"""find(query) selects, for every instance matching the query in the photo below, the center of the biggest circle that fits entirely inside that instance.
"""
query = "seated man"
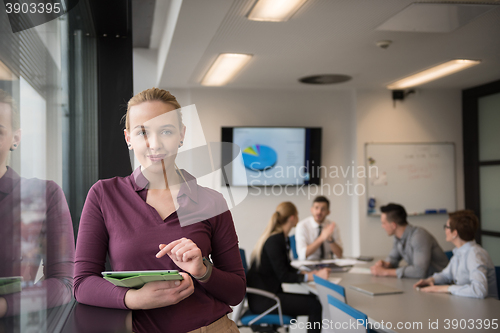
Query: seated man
(413, 244)
(316, 237)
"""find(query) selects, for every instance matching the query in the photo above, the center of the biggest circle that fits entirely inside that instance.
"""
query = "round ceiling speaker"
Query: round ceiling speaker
(325, 79)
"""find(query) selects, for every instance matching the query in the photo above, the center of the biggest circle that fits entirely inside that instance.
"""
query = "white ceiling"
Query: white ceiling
(323, 37)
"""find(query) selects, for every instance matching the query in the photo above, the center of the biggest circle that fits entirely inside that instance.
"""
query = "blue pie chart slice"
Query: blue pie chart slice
(259, 157)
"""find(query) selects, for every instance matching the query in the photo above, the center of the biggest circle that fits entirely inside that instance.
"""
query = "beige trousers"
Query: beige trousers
(222, 325)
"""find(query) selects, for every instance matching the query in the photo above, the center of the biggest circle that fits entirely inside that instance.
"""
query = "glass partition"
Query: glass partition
(48, 147)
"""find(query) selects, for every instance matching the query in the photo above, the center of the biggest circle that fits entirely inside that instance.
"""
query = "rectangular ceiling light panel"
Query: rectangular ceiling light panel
(225, 67)
(274, 10)
(433, 73)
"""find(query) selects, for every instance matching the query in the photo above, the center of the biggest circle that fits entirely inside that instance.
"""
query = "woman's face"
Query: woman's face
(294, 219)
(8, 137)
(154, 134)
(450, 235)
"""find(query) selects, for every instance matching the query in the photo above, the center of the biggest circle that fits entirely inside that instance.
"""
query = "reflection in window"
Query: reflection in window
(48, 101)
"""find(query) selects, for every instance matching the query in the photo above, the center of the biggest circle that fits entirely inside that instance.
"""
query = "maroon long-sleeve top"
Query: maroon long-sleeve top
(116, 218)
(35, 225)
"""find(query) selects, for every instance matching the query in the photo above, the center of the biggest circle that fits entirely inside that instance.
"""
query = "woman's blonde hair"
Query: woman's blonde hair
(275, 225)
(153, 94)
(7, 99)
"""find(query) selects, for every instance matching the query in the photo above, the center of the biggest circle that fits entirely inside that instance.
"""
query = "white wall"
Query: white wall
(144, 69)
(349, 119)
(428, 116)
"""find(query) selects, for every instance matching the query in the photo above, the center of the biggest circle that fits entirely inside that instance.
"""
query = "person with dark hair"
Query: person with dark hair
(317, 237)
(413, 244)
(470, 272)
(270, 267)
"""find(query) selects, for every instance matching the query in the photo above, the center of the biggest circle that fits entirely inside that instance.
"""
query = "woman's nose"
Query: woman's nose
(153, 142)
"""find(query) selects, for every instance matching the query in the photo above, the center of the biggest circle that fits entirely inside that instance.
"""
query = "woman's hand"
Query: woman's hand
(185, 254)
(158, 294)
(322, 273)
(424, 283)
(3, 307)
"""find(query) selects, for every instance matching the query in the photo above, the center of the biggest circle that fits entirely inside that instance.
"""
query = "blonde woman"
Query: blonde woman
(136, 220)
(271, 267)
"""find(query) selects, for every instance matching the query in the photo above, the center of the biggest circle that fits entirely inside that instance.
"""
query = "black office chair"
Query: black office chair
(262, 322)
(449, 254)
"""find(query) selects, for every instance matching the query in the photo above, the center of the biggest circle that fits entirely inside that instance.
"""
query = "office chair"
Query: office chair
(293, 246)
(449, 254)
(263, 322)
(325, 288)
(344, 315)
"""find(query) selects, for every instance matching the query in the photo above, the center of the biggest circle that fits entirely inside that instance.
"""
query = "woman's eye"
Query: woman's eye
(141, 133)
(166, 132)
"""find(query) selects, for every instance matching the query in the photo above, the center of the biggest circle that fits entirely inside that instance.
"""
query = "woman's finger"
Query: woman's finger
(179, 250)
(191, 254)
(166, 248)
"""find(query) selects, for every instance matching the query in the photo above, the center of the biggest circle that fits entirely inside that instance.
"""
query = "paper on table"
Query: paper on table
(294, 288)
(340, 262)
(298, 263)
(348, 262)
(335, 280)
(360, 270)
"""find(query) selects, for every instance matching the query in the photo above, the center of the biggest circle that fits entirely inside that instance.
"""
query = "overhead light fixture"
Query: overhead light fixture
(5, 73)
(325, 79)
(225, 67)
(274, 10)
(433, 73)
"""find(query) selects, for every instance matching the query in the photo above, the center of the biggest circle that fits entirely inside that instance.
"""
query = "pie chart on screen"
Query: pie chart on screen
(259, 157)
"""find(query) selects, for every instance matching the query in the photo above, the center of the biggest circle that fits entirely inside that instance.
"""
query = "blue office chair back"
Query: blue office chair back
(325, 288)
(293, 246)
(344, 315)
(244, 260)
(449, 254)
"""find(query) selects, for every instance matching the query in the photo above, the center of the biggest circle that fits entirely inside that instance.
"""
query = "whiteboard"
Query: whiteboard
(419, 176)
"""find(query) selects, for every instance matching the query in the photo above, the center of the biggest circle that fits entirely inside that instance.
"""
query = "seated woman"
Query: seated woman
(138, 220)
(470, 272)
(271, 267)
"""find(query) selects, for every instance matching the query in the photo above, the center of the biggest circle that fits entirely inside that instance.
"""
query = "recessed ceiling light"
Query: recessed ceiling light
(224, 68)
(274, 10)
(325, 79)
(433, 73)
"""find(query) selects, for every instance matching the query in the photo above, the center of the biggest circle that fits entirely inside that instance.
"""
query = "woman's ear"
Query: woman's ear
(16, 138)
(183, 133)
(127, 138)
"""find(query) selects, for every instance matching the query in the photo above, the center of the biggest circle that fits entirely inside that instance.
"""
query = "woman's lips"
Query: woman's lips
(157, 158)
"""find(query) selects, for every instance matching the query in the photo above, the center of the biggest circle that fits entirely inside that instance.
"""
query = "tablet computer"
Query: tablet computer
(137, 279)
(10, 285)
(375, 289)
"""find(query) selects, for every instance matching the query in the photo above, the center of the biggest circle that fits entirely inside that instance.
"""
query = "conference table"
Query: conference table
(416, 311)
